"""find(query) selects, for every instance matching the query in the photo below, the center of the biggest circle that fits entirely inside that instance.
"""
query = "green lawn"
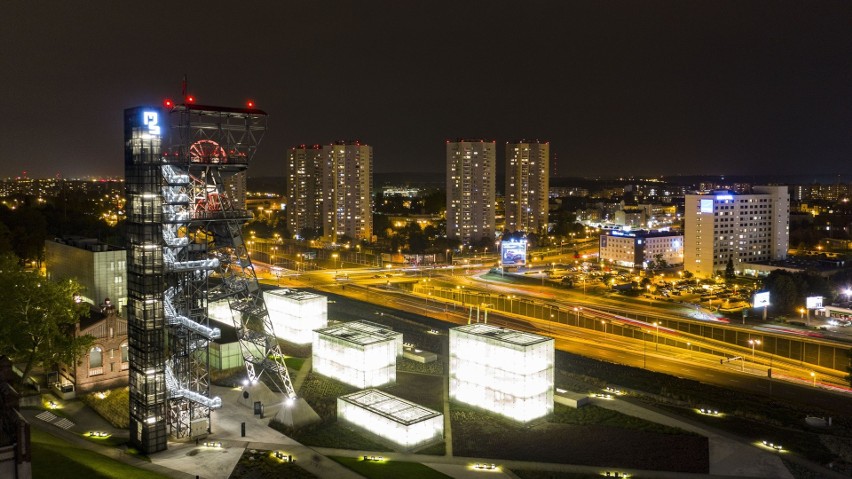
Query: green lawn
(54, 457)
(114, 407)
(294, 363)
(389, 469)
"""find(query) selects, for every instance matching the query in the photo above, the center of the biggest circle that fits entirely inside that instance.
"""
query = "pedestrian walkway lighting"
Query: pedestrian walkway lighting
(773, 446)
(282, 456)
(709, 412)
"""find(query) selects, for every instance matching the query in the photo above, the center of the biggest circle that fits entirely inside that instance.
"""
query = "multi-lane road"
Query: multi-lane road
(360, 293)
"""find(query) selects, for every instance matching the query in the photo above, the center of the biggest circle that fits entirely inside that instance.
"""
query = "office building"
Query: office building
(347, 177)
(741, 227)
(639, 249)
(471, 190)
(304, 189)
(527, 183)
(100, 269)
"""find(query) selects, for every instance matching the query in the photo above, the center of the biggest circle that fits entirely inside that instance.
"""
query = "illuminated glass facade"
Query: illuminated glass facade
(183, 227)
(145, 279)
(359, 353)
(397, 421)
(296, 314)
(503, 371)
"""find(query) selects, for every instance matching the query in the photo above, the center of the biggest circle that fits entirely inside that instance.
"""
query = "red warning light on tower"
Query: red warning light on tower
(190, 99)
(250, 103)
(168, 103)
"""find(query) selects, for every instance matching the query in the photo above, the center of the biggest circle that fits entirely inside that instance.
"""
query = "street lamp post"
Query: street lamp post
(577, 310)
(753, 342)
(604, 325)
(657, 338)
(813, 376)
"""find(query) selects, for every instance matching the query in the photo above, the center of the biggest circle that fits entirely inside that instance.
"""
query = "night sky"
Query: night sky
(617, 87)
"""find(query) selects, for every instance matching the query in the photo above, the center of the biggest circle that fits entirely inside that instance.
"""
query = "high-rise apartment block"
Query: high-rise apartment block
(235, 187)
(347, 185)
(329, 188)
(304, 188)
(471, 166)
(744, 228)
(527, 183)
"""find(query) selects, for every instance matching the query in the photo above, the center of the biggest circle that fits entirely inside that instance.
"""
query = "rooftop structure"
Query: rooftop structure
(296, 314)
(501, 370)
(397, 421)
(359, 353)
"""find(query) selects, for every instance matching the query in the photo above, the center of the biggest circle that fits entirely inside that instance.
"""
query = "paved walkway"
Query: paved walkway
(730, 457)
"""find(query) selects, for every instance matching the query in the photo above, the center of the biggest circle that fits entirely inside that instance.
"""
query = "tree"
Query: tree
(729, 269)
(39, 318)
(658, 263)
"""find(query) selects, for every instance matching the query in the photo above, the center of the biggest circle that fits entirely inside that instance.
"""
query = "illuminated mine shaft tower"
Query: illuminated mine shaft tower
(185, 249)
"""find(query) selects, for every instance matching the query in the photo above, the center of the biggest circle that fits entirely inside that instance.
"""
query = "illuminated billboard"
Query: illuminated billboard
(761, 299)
(513, 253)
(813, 302)
(706, 206)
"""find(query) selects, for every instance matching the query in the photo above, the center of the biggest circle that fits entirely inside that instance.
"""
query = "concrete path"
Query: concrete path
(730, 457)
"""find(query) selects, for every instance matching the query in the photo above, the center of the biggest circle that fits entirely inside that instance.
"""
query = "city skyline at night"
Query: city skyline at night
(655, 88)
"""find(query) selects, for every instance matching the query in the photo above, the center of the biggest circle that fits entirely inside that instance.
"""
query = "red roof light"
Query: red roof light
(168, 103)
(190, 99)
(250, 104)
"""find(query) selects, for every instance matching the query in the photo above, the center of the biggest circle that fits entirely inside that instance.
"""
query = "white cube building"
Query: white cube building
(397, 421)
(359, 353)
(220, 311)
(296, 314)
(501, 370)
